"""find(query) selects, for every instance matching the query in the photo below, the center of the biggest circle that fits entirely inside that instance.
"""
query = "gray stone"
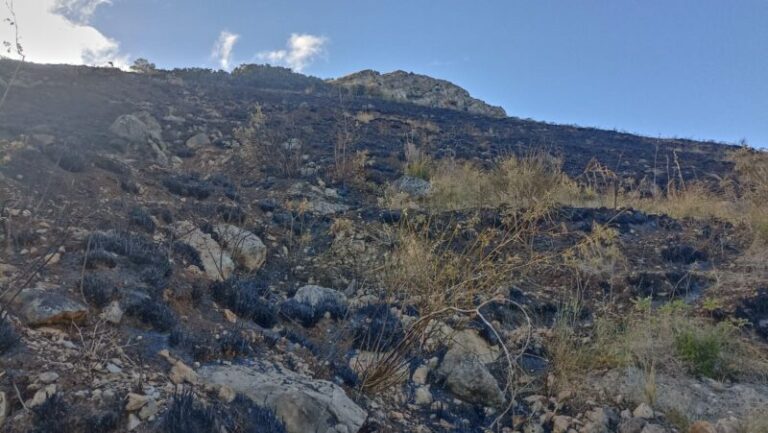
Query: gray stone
(632, 425)
(413, 186)
(315, 295)
(464, 371)
(304, 404)
(653, 428)
(40, 307)
(198, 140)
(217, 262)
(246, 248)
(141, 128)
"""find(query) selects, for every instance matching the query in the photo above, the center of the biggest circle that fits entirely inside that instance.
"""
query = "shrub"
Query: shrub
(244, 416)
(51, 416)
(97, 257)
(246, 298)
(186, 414)
(375, 328)
(153, 313)
(98, 290)
(188, 254)
(703, 348)
(141, 218)
(308, 315)
(9, 338)
(188, 186)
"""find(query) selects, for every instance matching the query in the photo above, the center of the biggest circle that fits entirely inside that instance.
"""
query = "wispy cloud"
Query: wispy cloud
(222, 49)
(57, 31)
(301, 50)
(78, 11)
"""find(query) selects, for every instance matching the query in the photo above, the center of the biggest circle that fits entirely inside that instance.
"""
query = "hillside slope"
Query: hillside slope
(198, 251)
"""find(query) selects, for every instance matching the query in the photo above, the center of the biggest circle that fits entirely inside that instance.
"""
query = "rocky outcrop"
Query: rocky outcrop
(417, 89)
(141, 128)
(246, 248)
(217, 262)
(302, 403)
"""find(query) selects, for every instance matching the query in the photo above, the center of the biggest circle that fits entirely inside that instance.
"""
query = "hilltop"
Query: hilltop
(197, 251)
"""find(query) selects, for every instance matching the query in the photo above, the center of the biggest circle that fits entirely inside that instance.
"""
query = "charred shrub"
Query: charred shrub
(186, 414)
(684, 254)
(68, 159)
(244, 416)
(139, 217)
(99, 257)
(201, 349)
(189, 185)
(346, 374)
(129, 186)
(153, 313)
(156, 277)
(51, 416)
(234, 345)
(102, 421)
(187, 254)
(231, 214)
(9, 338)
(138, 249)
(247, 298)
(98, 290)
(375, 328)
(309, 315)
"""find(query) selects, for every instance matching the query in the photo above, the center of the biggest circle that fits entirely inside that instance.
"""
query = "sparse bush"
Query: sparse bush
(188, 254)
(308, 315)
(99, 257)
(9, 338)
(51, 416)
(153, 313)
(247, 299)
(375, 328)
(141, 218)
(189, 185)
(703, 348)
(98, 290)
(186, 414)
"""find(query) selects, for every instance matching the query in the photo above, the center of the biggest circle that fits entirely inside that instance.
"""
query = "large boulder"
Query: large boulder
(198, 140)
(245, 247)
(464, 371)
(302, 403)
(141, 128)
(39, 306)
(217, 262)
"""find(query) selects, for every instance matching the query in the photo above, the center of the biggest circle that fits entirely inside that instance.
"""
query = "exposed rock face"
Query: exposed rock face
(417, 89)
(302, 403)
(702, 399)
(217, 262)
(42, 307)
(245, 247)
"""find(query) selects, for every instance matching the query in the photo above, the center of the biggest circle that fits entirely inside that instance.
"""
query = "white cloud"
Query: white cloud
(57, 31)
(78, 11)
(222, 49)
(301, 50)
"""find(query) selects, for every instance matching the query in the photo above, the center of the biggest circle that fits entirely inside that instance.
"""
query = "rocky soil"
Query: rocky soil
(179, 254)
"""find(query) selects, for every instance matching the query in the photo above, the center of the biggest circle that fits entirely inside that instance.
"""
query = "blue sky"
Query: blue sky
(695, 69)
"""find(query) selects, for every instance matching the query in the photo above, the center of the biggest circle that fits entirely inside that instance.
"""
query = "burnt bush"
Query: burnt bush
(68, 159)
(9, 338)
(189, 185)
(187, 254)
(138, 249)
(156, 277)
(129, 186)
(141, 218)
(51, 416)
(153, 313)
(683, 254)
(247, 298)
(309, 315)
(99, 257)
(186, 414)
(231, 214)
(98, 290)
(375, 328)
